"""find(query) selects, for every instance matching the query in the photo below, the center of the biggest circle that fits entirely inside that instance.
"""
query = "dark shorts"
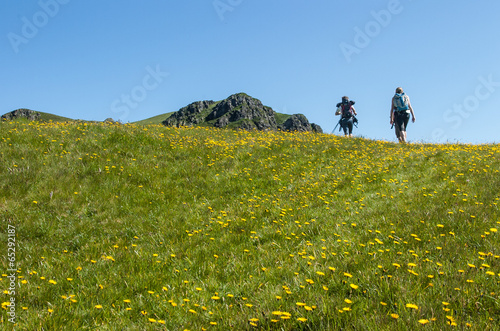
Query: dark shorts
(401, 121)
(346, 124)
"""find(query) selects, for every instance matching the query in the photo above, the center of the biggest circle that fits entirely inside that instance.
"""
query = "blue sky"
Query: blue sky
(131, 60)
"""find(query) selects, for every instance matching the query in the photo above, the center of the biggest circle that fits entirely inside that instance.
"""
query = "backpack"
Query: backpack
(345, 109)
(401, 102)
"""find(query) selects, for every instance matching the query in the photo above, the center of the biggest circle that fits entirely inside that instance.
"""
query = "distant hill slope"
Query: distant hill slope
(239, 111)
(23, 113)
(158, 119)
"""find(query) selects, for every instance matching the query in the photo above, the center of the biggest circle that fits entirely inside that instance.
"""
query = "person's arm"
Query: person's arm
(392, 111)
(354, 111)
(411, 111)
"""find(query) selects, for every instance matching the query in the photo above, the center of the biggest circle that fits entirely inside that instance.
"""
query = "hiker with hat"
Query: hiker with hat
(348, 118)
(400, 113)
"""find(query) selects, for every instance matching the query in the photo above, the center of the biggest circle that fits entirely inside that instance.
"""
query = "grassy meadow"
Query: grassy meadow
(133, 227)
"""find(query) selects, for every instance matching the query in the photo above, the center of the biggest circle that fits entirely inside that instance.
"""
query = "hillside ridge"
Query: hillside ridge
(238, 111)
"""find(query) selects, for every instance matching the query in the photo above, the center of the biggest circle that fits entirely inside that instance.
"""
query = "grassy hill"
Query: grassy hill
(149, 227)
(280, 119)
(55, 118)
(158, 119)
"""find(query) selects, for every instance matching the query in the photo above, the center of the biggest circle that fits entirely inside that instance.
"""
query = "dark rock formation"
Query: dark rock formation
(22, 113)
(297, 122)
(190, 115)
(239, 111)
(241, 108)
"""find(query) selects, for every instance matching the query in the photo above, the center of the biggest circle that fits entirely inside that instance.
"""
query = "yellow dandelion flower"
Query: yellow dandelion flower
(215, 297)
(347, 301)
(302, 319)
(98, 306)
(411, 306)
(354, 286)
(52, 281)
(395, 316)
(127, 301)
(423, 321)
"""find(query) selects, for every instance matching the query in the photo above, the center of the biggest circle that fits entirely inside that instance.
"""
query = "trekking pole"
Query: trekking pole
(336, 126)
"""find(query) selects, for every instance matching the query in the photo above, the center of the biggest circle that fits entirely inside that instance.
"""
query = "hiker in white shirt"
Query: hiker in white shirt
(400, 113)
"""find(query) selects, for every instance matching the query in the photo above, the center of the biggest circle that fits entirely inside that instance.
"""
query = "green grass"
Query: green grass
(154, 120)
(152, 228)
(55, 118)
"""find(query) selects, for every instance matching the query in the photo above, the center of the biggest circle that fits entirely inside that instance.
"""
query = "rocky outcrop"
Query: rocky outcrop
(190, 115)
(299, 122)
(239, 111)
(22, 113)
(241, 108)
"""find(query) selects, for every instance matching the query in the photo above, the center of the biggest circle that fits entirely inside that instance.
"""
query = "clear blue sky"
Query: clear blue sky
(131, 60)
